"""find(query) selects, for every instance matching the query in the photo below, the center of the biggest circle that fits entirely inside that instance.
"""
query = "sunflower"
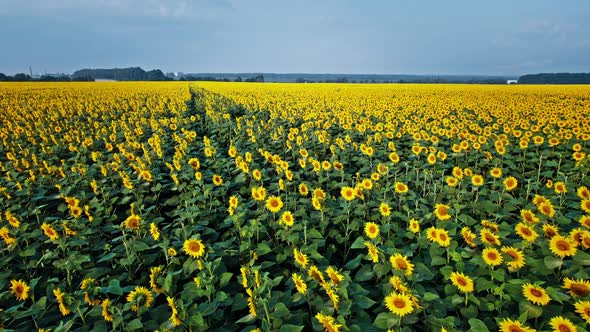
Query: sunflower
(561, 324)
(174, 318)
(233, 201)
(399, 304)
(394, 157)
(538, 199)
(20, 289)
(334, 275)
(535, 294)
(59, 295)
(316, 274)
(328, 322)
(463, 282)
(371, 230)
(432, 234)
(585, 221)
(585, 205)
(583, 308)
(560, 187)
(133, 221)
(287, 218)
(488, 237)
(367, 184)
(397, 283)
(550, 230)
(414, 226)
(443, 238)
(303, 190)
(217, 180)
(106, 314)
(491, 256)
(348, 193)
(547, 209)
(451, 181)
(76, 211)
(385, 210)
(49, 232)
(172, 252)
(468, 236)
(517, 257)
(194, 248)
(154, 231)
(194, 163)
(496, 172)
(457, 172)
(274, 204)
(319, 193)
(401, 262)
(400, 188)
(477, 180)
(155, 272)
(510, 183)
(441, 211)
(140, 297)
(373, 252)
(529, 216)
(526, 232)
(562, 246)
(509, 325)
(299, 283)
(300, 258)
(583, 192)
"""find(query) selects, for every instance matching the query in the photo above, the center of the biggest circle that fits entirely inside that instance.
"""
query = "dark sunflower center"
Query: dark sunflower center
(536, 293)
(194, 246)
(580, 290)
(562, 245)
(401, 264)
(462, 282)
(399, 303)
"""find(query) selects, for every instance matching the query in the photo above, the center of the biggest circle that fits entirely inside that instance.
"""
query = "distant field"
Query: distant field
(294, 207)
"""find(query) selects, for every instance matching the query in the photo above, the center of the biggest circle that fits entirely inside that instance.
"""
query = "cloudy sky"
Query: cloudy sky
(311, 36)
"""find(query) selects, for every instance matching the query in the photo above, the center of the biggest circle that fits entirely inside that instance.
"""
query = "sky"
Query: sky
(461, 37)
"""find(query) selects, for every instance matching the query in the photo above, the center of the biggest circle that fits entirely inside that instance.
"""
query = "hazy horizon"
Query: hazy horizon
(461, 37)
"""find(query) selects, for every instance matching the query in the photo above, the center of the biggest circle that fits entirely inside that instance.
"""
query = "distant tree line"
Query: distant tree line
(20, 77)
(257, 78)
(122, 74)
(557, 78)
(425, 80)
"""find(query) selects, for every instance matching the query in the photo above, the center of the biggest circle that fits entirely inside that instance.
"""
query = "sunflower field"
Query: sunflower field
(180, 206)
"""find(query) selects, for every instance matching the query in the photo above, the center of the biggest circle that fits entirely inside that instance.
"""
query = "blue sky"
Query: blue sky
(313, 36)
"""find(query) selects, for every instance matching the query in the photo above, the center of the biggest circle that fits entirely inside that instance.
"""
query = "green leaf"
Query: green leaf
(134, 325)
(428, 296)
(532, 311)
(477, 325)
(363, 301)
(107, 257)
(140, 246)
(263, 249)
(552, 262)
(167, 283)
(225, 278)
(291, 328)
(359, 243)
(385, 320)
(246, 319)
(114, 287)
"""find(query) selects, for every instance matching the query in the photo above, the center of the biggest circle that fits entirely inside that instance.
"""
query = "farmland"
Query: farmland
(244, 206)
